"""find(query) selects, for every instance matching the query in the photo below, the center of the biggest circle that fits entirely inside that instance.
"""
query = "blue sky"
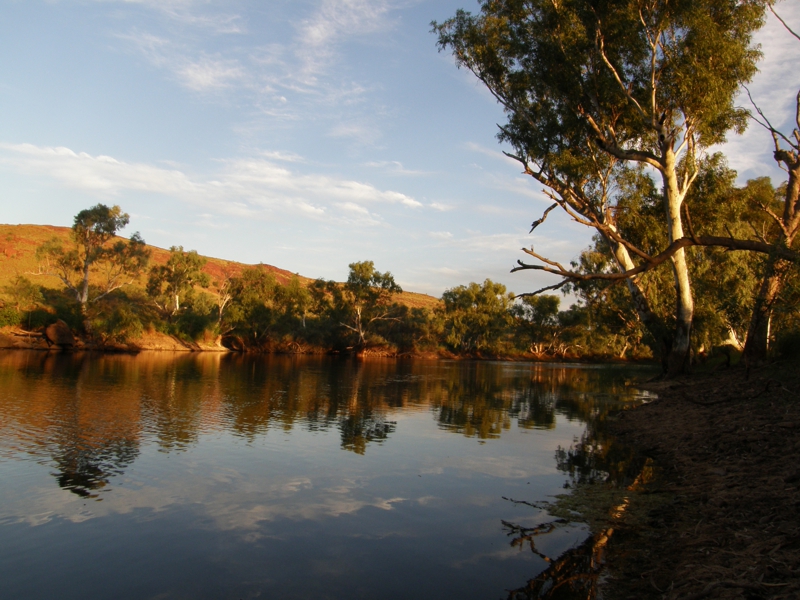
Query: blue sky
(306, 134)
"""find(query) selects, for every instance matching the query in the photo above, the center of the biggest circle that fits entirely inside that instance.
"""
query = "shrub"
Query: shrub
(9, 316)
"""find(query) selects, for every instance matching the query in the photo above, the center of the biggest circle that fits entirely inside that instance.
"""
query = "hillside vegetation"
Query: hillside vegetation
(18, 244)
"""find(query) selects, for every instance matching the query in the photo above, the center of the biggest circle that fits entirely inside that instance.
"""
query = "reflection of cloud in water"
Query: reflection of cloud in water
(229, 499)
(502, 554)
(505, 467)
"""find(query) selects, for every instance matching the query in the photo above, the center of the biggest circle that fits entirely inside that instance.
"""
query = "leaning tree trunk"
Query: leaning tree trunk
(651, 321)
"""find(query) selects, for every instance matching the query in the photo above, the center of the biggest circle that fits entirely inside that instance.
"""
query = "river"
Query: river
(171, 476)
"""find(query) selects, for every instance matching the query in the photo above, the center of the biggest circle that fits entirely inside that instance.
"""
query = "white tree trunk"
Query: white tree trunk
(678, 360)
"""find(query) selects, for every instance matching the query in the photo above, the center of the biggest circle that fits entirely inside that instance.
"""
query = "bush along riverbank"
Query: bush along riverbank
(714, 509)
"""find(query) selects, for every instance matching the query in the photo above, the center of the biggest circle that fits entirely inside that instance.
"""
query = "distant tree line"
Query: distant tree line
(111, 294)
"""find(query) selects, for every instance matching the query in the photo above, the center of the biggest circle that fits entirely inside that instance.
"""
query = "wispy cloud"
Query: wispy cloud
(774, 90)
(394, 167)
(298, 73)
(199, 73)
(243, 186)
(191, 13)
(334, 21)
(210, 73)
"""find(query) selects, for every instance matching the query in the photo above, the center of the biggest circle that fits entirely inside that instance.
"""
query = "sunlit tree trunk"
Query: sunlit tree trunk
(678, 359)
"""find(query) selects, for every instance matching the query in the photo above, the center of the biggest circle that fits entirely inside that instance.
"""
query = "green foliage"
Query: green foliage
(558, 69)
(537, 323)
(115, 318)
(252, 312)
(593, 92)
(364, 302)
(476, 317)
(23, 294)
(10, 316)
(114, 265)
(197, 318)
(168, 284)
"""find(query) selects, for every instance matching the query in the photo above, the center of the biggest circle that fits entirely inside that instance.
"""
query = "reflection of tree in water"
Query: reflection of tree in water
(571, 576)
(362, 427)
(83, 413)
(90, 412)
(483, 400)
(597, 456)
(172, 402)
(84, 471)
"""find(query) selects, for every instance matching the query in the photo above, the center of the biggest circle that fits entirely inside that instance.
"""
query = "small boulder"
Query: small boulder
(59, 334)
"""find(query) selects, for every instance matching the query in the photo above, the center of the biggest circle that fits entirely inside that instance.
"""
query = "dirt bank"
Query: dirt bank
(722, 518)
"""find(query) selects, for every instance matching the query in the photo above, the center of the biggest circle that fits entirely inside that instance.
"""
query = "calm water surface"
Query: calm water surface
(226, 476)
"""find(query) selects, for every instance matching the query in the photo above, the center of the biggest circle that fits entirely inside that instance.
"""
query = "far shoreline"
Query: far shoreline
(17, 339)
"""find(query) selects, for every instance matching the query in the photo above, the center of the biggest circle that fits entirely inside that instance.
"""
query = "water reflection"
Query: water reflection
(236, 448)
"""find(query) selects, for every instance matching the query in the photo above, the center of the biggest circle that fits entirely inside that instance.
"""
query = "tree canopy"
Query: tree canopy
(593, 91)
(118, 263)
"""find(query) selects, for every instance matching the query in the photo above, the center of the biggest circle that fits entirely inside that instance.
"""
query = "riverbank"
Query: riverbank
(721, 517)
(13, 338)
(16, 338)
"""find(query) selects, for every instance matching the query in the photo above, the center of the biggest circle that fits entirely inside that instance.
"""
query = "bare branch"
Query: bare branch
(709, 241)
(777, 16)
(542, 219)
(634, 155)
(775, 218)
(626, 89)
(544, 260)
(766, 123)
(555, 286)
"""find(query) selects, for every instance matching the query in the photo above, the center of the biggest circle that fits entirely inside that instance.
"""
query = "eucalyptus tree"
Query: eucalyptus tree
(170, 282)
(94, 251)
(476, 316)
(537, 321)
(591, 89)
(786, 221)
(366, 299)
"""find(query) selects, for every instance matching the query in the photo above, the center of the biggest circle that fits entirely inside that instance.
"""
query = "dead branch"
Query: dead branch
(544, 289)
(707, 240)
(777, 16)
(541, 220)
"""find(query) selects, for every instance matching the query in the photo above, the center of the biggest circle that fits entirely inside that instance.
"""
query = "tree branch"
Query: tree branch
(707, 240)
(542, 219)
(544, 289)
(626, 89)
(777, 16)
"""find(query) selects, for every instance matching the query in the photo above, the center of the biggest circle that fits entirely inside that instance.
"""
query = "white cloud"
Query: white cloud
(209, 73)
(199, 73)
(246, 186)
(284, 156)
(774, 90)
(188, 13)
(394, 167)
(333, 21)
